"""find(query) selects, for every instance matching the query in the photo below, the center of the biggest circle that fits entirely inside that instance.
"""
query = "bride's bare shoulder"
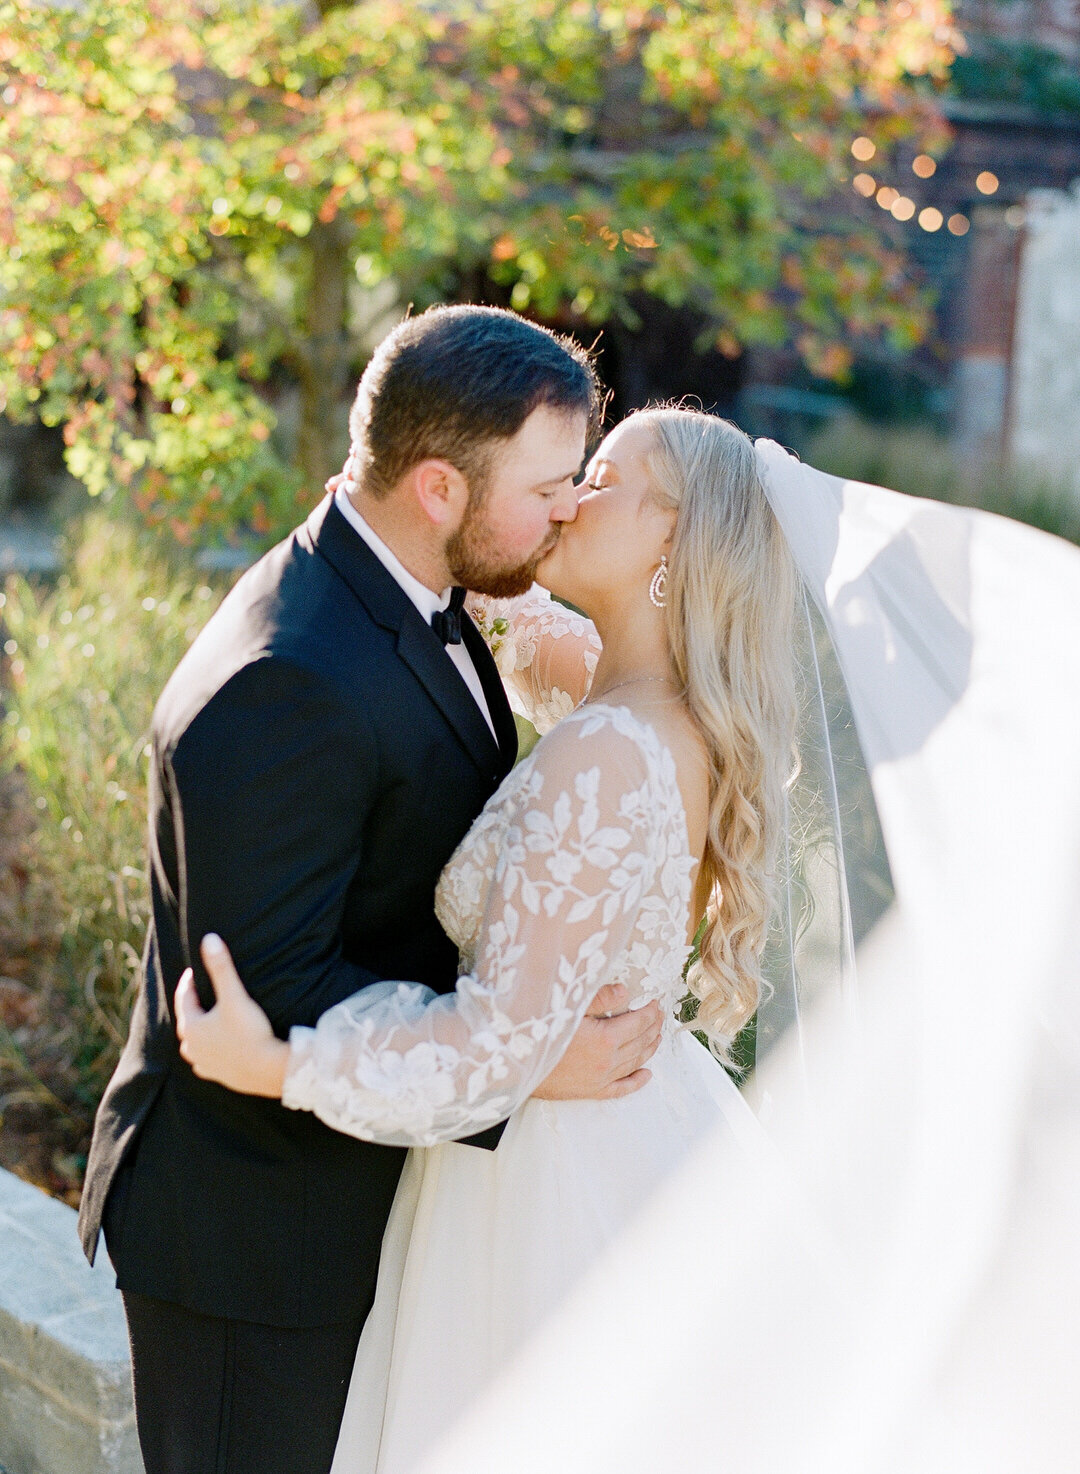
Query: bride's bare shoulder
(682, 737)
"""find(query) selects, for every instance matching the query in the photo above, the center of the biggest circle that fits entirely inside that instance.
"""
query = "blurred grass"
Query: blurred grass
(923, 463)
(83, 663)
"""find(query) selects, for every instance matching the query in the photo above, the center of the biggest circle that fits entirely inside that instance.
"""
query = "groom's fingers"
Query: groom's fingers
(634, 1037)
(632, 1056)
(627, 1085)
(612, 998)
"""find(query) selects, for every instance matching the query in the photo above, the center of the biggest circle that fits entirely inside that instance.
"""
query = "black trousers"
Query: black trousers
(230, 1397)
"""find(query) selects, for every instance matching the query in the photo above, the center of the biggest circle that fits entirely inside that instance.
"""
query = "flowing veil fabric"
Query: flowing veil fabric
(901, 1289)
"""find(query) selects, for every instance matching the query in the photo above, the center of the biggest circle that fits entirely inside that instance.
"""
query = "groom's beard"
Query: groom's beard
(473, 557)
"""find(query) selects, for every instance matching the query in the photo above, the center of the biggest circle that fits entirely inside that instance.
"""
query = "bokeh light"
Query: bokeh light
(924, 166)
(959, 224)
(987, 183)
(902, 208)
(887, 196)
(864, 184)
(864, 149)
(931, 219)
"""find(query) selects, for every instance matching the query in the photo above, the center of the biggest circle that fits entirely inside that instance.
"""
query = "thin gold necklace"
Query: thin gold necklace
(634, 681)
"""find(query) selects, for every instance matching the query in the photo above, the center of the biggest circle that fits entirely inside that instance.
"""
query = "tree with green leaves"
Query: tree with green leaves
(196, 195)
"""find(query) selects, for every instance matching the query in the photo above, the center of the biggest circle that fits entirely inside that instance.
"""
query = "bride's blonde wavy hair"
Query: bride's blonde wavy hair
(731, 588)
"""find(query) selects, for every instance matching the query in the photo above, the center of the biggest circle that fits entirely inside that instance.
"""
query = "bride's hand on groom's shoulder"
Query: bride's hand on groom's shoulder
(606, 1057)
(231, 1043)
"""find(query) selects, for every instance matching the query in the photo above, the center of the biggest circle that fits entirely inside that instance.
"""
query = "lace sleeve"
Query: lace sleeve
(402, 1065)
(546, 653)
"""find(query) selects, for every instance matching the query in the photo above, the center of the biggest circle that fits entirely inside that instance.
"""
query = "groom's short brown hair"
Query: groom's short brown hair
(453, 382)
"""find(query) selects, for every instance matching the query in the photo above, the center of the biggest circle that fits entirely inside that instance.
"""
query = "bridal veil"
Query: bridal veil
(901, 1289)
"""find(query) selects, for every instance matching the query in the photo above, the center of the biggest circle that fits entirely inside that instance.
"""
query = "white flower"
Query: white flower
(505, 653)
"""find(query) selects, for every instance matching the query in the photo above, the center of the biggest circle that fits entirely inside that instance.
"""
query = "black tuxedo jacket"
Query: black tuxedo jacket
(317, 757)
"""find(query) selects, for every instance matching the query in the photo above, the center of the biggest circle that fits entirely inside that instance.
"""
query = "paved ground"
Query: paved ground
(65, 1379)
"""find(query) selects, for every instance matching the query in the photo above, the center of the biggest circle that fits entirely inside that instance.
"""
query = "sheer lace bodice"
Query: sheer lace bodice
(576, 873)
(546, 653)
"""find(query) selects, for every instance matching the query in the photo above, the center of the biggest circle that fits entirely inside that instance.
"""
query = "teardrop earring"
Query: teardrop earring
(658, 584)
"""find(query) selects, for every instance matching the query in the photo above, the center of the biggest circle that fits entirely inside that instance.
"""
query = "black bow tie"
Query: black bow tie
(447, 622)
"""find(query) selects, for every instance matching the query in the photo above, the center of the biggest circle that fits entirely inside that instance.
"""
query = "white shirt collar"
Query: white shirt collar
(425, 599)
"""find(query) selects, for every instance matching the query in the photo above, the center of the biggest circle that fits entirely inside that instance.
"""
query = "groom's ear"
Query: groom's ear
(441, 492)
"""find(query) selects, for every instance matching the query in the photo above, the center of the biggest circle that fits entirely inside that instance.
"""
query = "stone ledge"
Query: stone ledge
(65, 1380)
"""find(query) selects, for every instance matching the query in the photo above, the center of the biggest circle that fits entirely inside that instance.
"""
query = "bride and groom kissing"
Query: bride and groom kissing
(440, 950)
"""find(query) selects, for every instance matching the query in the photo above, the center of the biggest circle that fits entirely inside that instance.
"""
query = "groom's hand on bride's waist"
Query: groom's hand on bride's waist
(607, 1055)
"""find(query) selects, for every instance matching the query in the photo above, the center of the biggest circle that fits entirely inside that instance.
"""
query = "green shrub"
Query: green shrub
(923, 463)
(84, 663)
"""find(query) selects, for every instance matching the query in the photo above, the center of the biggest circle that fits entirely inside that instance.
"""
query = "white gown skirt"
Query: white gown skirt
(481, 1246)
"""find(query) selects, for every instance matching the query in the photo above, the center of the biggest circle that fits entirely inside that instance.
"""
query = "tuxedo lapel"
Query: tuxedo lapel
(424, 654)
(417, 644)
(494, 692)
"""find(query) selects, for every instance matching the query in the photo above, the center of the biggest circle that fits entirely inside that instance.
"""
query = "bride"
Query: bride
(917, 1308)
(650, 811)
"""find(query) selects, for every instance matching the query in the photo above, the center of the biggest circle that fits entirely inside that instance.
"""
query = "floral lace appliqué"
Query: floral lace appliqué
(575, 874)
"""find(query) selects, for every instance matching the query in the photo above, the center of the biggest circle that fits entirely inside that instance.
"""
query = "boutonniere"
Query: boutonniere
(496, 630)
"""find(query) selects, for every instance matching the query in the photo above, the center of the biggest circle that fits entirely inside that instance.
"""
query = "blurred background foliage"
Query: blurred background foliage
(925, 462)
(1004, 70)
(205, 203)
(83, 663)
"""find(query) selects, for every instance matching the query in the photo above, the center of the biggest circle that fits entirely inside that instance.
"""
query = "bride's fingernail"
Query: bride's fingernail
(213, 944)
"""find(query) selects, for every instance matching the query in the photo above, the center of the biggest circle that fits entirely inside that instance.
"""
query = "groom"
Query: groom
(317, 756)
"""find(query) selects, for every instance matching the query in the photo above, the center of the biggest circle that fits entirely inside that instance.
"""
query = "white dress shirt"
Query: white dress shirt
(426, 601)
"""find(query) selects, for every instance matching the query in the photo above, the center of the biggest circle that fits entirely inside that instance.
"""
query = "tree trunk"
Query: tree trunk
(324, 367)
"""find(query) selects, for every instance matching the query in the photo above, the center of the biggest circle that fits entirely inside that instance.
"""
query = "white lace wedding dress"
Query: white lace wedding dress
(576, 873)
